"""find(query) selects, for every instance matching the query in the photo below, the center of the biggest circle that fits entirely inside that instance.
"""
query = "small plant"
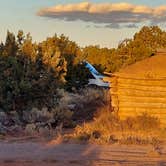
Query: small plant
(142, 122)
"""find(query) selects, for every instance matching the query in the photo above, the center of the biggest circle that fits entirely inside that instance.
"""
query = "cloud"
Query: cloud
(118, 26)
(113, 26)
(131, 26)
(106, 13)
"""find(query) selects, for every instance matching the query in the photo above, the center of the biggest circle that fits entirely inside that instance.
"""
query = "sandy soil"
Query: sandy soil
(32, 153)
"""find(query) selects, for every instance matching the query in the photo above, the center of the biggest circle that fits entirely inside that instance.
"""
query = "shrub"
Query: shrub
(88, 101)
(143, 122)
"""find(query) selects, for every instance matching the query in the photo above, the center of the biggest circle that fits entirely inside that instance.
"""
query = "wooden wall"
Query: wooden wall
(133, 96)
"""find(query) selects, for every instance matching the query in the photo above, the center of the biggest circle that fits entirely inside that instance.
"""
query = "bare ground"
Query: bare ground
(54, 153)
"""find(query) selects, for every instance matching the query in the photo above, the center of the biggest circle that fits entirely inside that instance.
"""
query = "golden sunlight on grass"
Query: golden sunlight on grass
(108, 128)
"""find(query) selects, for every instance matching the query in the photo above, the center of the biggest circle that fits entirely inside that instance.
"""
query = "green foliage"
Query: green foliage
(10, 47)
(31, 72)
(143, 45)
(77, 76)
(28, 78)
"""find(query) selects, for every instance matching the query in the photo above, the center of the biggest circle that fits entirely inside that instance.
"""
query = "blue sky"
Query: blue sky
(22, 14)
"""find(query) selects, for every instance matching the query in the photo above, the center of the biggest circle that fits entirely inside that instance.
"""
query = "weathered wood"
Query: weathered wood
(145, 82)
(140, 99)
(141, 105)
(139, 87)
(129, 110)
(139, 94)
(136, 90)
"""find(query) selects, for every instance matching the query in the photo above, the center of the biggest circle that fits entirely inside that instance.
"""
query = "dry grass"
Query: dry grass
(106, 127)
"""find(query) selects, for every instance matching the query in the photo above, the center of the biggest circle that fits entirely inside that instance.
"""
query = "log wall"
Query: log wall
(133, 96)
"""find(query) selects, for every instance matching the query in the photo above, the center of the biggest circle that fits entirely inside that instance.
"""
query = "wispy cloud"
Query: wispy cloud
(112, 14)
(113, 26)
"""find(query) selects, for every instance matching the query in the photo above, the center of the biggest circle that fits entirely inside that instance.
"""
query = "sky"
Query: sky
(91, 22)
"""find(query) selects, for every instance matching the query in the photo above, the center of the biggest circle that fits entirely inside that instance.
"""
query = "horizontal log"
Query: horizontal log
(119, 89)
(130, 110)
(138, 87)
(132, 77)
(141, 105)
(135, 77)
(147, 82)
(134, 99)
(141, 91)
(135, 102)
(138, 93)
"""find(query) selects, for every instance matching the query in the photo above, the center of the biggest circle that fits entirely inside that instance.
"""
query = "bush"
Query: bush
(30, 73)
(143, 122)
(88, 102)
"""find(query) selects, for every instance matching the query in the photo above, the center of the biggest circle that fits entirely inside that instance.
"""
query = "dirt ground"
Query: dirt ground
(54, 153)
